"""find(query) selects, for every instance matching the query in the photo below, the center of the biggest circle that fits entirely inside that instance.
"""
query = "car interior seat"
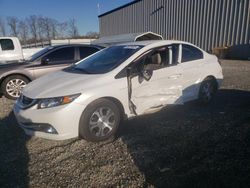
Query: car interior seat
(156, 59)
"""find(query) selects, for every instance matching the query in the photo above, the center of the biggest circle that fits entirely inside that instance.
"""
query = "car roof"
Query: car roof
(75, 45)
(154, 43)
(149, 42)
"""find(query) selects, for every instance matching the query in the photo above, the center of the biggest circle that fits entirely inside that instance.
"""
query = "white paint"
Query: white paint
(170, 85)
(17, 54)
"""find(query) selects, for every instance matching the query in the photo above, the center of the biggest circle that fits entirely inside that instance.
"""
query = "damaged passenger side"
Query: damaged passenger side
(149, 80)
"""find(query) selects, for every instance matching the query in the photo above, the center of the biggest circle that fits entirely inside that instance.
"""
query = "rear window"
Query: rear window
(6, 44)
(190, 53)
(86, 51)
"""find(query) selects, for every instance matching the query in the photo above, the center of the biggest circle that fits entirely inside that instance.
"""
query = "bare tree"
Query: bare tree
(41, 28)
(92, 34)
(53, 25)
(73, 30)
(23, 31)
(62, 29)
(32, 20)
(47, 28)
(13, 24)
(2, 27)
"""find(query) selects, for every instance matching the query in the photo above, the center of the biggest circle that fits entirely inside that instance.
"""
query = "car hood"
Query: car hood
(59, 83)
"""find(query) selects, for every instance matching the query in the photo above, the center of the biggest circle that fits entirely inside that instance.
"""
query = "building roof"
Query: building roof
(118, 8)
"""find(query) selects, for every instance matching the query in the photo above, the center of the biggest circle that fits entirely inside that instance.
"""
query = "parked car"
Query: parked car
(16, 75)
(11, 50)
(91, 98)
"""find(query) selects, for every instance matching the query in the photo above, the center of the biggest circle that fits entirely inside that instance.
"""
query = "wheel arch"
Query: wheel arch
(107, 98)
(12, 74)
(116, 101)
(211, 77)
(119, 105)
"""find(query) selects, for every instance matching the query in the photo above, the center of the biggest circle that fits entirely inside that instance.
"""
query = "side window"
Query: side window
(165, 56)
(158, 58)
(63, 54)
(154, 60)
(6, 44)
(190, 53)
(86, 51)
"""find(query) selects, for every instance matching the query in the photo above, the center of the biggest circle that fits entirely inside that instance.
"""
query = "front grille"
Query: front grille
(26, 102)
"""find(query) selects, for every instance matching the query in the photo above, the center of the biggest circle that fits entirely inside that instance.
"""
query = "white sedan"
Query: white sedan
(91, 98)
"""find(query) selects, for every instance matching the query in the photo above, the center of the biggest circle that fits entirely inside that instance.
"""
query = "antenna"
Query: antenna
(98, 9)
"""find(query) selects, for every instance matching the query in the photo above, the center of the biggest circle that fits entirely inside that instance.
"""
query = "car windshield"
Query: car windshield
(107, 59)
(40, 53)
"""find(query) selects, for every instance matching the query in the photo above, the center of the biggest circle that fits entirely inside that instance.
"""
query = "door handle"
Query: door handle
(175, 76)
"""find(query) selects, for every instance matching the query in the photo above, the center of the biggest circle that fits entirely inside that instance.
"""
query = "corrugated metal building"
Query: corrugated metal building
(206, 23)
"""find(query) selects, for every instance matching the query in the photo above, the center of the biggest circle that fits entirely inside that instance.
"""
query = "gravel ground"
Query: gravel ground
(181, 146)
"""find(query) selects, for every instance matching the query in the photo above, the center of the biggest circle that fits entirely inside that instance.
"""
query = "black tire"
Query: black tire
(92, 132)
(207, 90)
(15, 79)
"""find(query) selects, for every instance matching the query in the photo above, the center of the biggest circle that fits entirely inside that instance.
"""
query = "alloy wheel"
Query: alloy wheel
(14, 87)
(102, 121)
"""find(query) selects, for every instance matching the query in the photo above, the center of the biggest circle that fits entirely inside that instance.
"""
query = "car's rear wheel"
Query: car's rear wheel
(207, 91)
(100, 121)
(12, 86)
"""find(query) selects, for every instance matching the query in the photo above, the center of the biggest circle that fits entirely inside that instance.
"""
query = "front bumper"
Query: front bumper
(57, 123)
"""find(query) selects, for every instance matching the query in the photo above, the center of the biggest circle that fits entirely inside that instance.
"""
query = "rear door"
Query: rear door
(163, 87)
(191, 64)
(55, 60)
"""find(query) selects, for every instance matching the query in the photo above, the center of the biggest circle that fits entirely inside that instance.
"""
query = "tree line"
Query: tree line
(34, 29)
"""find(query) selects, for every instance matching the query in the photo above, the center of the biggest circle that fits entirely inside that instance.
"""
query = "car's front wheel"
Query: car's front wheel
(12, 86)
(100, 121)
(207, 91)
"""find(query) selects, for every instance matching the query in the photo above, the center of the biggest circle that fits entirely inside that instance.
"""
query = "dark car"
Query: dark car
(16, 75)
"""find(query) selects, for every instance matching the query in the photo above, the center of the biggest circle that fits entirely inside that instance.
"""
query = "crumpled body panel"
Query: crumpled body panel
(164, 87)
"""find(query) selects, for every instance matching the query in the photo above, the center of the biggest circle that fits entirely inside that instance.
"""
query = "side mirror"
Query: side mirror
(45, 61)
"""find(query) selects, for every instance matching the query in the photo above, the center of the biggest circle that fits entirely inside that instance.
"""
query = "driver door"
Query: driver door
(160, 85)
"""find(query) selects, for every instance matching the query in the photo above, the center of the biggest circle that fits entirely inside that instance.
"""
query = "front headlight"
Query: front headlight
(56, 101)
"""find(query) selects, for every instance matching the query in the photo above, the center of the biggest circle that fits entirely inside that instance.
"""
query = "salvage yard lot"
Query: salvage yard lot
(181, 146)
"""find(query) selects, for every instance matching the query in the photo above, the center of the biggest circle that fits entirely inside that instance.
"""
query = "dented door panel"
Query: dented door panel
(164, 87)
